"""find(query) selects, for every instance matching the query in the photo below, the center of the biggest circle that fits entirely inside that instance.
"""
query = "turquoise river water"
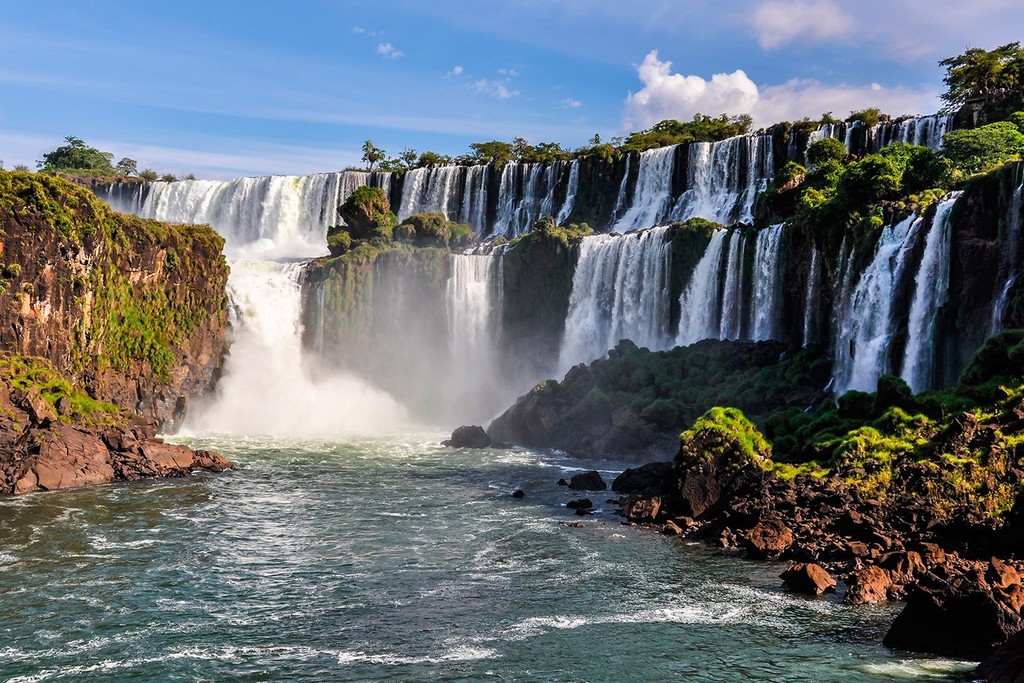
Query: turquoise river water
(393, 559)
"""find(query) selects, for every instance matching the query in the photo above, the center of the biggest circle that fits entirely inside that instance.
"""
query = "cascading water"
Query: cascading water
(570, 196)
(864, 338)
(266, 388)
(811, 300)
(620, 198)
(700, 302)
(290, 213)
(619, 291)
(724, 179)
(653, 192)
(270, 225)
(526, 192)
(731, 324)
(931, 293)
(432, 189)
(1012, 259)
(767, 284)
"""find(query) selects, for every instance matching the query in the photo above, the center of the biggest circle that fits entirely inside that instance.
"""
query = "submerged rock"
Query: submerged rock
(468, 436)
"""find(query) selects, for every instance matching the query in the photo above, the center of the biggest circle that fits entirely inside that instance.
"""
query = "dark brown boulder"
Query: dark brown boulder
(961, 620)
(468, 436)
(1001, 575)
(808, 578)
(649, 477)
(534, 418)
(587, 481)
(768, 539)
(643, 509)
(1006, 663)
(870, 584)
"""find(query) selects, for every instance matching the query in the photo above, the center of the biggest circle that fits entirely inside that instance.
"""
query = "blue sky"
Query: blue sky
(224, 89)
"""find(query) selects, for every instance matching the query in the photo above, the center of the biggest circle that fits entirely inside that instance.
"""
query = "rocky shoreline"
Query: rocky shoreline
(46, 447)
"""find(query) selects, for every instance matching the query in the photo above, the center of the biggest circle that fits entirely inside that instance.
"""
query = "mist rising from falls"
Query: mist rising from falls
(267, 388)
(619, 291)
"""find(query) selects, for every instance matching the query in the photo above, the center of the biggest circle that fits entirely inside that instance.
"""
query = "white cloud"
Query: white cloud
(511, 73)
(668, 95)
(779, 22)
(570, 103)
(456, 71)
(497, 89)
(358, 29)
(388, 51)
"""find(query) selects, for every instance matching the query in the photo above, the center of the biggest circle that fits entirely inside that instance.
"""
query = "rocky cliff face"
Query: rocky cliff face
(133, 310)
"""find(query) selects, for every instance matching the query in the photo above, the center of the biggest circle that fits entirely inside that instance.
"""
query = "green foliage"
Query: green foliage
(828, 149)
(127, 167)
(995, 78)
(34, 374)
(372, 154)
(493, 152)
(149, 175)
(701, 129)
(367, 214)
(869, 117)
(433, 230)
(544, 229)
(1017, 119)
(725, 432)
(75, 157)
(984, 148)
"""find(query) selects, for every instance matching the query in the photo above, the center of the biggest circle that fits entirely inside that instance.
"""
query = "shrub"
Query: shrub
(829, 149)
(984, 148)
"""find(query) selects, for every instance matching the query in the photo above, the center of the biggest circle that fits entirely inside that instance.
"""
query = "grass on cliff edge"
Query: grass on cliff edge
(28, 373)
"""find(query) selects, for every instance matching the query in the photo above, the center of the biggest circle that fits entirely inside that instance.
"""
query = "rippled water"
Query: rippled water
(395, 559)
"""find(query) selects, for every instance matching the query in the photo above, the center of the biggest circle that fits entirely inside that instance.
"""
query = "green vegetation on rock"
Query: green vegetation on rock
(725, 432)
(34, 375)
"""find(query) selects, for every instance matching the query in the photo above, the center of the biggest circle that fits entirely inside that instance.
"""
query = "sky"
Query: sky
(225, 89)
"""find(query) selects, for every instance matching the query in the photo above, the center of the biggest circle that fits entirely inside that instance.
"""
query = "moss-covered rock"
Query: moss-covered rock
(133, 310)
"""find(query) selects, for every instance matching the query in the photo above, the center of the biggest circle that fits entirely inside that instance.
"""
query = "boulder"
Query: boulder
(768, 539)
(643, 509)
(870, 584)
(587, 481)
(1006, 663)
(650, 477)
(808, 578)
(960, 619)
(1001, 575)
(468, 436)
(580, 504)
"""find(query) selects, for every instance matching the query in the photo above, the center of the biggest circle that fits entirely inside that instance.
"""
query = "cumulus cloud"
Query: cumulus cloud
(456, 71)
(388, 51)
(667, 95)
(780, 22)
(570, 103)
(497, 89)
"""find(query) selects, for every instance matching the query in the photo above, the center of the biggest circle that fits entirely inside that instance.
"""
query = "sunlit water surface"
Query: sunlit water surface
(396, 559)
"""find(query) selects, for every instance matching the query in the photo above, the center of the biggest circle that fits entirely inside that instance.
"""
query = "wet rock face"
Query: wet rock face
(587, 481)
(133, 310)
(468, 437)
(808, 578)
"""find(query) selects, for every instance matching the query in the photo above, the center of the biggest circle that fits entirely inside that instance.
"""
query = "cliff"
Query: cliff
(108, 325)
(132, 309)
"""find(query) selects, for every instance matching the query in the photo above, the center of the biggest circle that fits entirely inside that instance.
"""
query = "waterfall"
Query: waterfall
(266, 388)
(620, 198)
(434, 189)
(287, 213)
(699, 304)
(767, 284)
(526, 192)
(1012, 258)
(730, 325)
(864, 337)
(931, 292)
(653, 191)
(570, 196)
(471, 303)
(811, 300)
(474, 199)
(926, 131)
(619, 291)
(724, 179)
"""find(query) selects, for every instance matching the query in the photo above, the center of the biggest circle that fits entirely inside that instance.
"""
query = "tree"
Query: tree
(77, 157)
(408, 157)
(148, 175)
(168, 178)
(997, 76)
(128, 167)
(372, 154)
(827, 149)
(493, 152)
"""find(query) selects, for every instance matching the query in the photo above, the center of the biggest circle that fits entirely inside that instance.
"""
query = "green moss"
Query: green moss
(28, 373)
(725, 432)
